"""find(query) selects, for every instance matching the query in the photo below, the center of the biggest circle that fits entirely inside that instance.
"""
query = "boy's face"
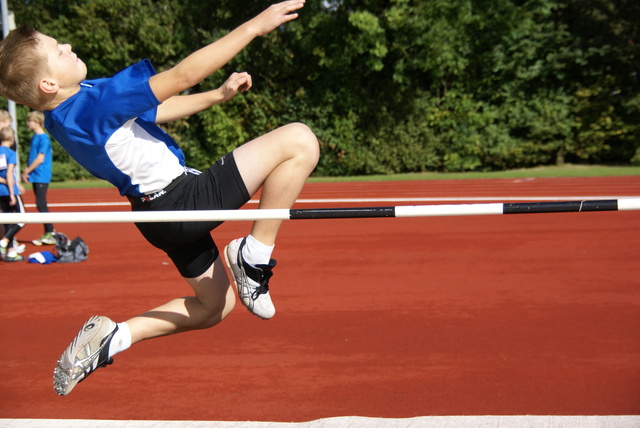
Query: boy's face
(64, 66)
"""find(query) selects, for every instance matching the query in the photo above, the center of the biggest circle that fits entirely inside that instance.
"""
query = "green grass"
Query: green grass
(539, 172)
(80, 184)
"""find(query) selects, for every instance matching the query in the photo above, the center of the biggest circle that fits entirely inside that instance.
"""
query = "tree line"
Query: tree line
(389, 86)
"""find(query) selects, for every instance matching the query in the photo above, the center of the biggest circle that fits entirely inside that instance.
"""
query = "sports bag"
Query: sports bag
(70, 252)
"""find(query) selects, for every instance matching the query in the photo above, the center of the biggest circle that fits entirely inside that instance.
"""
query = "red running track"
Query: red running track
(535, 314)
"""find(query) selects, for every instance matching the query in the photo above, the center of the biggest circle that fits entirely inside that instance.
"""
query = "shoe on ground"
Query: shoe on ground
(47, 238)
(88, 352)
(18, 247)
(10, 255)
(252, 282)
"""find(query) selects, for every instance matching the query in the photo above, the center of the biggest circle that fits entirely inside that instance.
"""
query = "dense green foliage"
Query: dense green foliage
(390, 85)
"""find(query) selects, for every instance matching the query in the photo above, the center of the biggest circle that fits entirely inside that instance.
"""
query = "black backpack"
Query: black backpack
(70, 252)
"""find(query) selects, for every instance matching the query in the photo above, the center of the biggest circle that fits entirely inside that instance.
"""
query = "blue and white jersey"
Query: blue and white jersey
(109, 128)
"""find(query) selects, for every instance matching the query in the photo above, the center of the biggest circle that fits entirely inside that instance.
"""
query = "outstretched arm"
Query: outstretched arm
(204, 62)
(180, 106)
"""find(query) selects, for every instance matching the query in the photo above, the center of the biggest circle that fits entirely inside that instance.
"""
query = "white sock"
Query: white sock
(121, 340)
(255, 252)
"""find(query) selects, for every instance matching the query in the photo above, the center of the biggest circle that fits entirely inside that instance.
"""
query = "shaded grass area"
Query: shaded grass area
(538, 172)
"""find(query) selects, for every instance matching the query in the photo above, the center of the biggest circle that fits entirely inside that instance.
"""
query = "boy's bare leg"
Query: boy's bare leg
(214, 299)
(280, 162)
(100, 338)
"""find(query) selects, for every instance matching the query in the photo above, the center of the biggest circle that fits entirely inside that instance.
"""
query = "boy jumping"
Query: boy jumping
(109, 127)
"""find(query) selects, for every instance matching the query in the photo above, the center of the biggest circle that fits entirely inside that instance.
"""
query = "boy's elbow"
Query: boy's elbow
(183, 79)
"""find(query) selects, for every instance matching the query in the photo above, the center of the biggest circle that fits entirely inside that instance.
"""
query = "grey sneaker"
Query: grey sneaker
(252, 282)
(88, 351)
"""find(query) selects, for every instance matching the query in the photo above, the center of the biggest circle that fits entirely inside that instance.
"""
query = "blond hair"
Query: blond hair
(37, 117)
(20, 67)
(5, 116)
(7, 134)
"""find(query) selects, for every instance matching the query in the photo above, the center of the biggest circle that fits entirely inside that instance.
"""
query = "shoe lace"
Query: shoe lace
(88, 370)
(266, 272)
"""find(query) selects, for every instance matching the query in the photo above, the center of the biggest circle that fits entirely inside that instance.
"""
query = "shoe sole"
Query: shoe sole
(63, 381)
(233, 277)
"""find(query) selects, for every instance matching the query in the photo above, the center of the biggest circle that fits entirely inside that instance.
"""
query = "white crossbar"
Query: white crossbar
(625, 204)
(145, 216)
(448, 210)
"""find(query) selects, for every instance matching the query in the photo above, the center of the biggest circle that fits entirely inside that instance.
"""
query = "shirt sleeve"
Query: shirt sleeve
(39, 145)
(112, 102)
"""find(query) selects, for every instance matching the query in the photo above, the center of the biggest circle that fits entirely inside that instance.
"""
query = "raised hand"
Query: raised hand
(276, 15)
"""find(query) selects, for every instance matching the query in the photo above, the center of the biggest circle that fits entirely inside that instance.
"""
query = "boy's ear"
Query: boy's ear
(48, 86)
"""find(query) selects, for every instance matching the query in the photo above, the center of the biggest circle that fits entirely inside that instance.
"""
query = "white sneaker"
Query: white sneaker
(252, 282)
(88, 351)
(18, 248)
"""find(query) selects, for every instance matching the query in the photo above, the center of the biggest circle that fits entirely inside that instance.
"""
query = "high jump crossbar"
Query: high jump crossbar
(623, 204)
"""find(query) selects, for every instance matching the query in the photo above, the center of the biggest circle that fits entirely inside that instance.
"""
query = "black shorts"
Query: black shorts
(189, 244)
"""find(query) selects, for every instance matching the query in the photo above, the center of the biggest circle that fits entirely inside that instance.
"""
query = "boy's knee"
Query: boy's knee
(306, 140)
(213, 316)
(306, 134)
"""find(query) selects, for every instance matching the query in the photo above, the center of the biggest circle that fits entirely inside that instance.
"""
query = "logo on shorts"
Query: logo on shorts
(152, 196)
(156, 195)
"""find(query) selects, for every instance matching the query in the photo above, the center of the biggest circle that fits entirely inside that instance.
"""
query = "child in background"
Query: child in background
(9, 194)
(5, 121)
(38, 172)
